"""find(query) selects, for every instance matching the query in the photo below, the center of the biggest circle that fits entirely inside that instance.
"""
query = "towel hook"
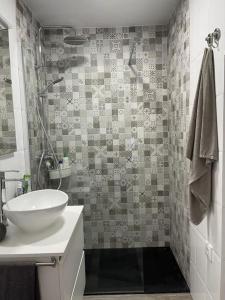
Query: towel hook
(214, 38)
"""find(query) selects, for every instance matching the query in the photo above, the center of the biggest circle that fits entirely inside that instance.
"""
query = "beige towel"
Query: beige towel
(202, 147)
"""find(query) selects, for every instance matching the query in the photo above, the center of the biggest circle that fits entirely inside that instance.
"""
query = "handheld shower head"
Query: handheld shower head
(50, 84)
(77, 40)
(57, 80)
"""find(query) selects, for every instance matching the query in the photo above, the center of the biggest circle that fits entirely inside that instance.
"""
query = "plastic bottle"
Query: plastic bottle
(27, 183)
(19, 188)
(66, 162)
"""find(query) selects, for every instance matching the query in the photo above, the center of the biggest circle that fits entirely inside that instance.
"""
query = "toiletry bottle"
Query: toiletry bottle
(65, 162)
(19, 188)
(3, 194)
(26, 183)
(29, 184)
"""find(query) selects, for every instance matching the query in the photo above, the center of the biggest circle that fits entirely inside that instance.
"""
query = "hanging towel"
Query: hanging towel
(19, 282)
(202, 146)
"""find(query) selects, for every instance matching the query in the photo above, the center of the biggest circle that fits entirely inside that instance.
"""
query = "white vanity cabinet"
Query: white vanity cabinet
(67, 280)
(65, 242)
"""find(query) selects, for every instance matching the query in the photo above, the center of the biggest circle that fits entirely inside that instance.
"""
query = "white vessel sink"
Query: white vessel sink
(35, 211)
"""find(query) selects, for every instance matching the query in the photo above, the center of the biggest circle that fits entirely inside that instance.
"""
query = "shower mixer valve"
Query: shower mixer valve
(49, 161)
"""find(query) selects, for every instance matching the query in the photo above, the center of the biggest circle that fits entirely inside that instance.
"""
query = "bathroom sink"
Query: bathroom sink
(37, 210)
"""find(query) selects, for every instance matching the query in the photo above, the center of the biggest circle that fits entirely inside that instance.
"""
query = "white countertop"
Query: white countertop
(52, 242)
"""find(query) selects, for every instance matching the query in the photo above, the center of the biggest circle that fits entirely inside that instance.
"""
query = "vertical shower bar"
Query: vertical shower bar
(131, 55)
(39, 68)
(39, 86)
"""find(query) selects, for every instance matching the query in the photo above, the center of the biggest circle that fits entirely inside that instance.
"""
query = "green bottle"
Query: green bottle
(26, 183)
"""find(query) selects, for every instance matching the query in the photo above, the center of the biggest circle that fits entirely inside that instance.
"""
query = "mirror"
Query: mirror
(7, 122)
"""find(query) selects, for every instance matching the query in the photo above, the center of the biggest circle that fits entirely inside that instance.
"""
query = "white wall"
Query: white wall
(206, 278)
(20, 159)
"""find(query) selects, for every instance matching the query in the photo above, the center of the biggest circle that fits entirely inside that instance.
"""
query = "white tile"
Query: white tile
(198, 290)
(217, 19)
(217, 180)
(223, 243)
(193, 243)
(199, 26)
(213, 277)
(220, 121)
(203, 228)
(8, 162)
(208, 296)
(201, 258)
(219, 70)
(8, 12)
(215, 227)
(223, 280)
(19, 161)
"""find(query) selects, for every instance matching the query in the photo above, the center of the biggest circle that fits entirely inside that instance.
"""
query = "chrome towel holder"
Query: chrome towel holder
(51, 263)
(47, 264)
(213, 38)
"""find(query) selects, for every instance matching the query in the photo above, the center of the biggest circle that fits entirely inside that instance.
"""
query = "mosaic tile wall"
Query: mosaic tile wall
(178, 82)
(112, 122)
(27, 29)
(7, 123)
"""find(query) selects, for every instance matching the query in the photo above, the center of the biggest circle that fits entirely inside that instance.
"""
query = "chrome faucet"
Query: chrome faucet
(49, 161)
(3, 180)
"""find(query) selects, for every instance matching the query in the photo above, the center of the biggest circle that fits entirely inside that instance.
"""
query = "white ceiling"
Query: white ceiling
(102, 13)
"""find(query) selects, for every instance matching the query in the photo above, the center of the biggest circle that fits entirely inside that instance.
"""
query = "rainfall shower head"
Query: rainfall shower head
(76, 40)
(50, 84)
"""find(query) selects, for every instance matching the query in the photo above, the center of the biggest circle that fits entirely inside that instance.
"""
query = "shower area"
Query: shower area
(115, 101)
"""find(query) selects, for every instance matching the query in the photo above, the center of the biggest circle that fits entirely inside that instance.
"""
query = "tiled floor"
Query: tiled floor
(141, 297)
(133, 271)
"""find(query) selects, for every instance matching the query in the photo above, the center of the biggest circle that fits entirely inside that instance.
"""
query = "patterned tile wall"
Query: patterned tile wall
(178, 82)
(112, 122)
(7, 123)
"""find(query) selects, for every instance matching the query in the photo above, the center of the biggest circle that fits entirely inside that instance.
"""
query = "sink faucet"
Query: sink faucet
(3, 180)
